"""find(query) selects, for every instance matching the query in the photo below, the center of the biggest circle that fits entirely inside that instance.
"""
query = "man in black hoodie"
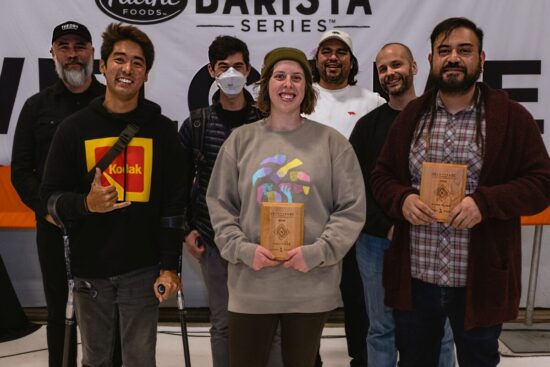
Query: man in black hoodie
(122, 244)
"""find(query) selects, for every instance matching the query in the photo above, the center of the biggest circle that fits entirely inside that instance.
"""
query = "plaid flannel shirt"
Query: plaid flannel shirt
(439, 254)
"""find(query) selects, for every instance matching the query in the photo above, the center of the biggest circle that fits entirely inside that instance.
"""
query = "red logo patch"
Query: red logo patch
(132, 172)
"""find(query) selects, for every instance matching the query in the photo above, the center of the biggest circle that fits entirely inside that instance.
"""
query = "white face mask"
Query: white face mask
(231, 82)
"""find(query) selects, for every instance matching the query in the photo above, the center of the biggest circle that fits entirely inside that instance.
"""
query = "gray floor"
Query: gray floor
(31, 350)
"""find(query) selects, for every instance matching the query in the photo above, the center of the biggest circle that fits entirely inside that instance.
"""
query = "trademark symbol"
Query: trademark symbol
(332, 21)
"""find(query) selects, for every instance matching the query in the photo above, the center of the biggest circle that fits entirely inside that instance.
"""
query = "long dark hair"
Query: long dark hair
(450, 24)
(429, 110)
(431, 90)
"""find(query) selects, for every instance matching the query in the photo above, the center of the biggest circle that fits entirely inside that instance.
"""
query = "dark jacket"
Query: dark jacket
(148, 173)
(514, 181)
(39, 118)
(367, 138)
(216, 131)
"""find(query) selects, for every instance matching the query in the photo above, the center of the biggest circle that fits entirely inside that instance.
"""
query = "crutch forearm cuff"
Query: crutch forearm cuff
(52, 208)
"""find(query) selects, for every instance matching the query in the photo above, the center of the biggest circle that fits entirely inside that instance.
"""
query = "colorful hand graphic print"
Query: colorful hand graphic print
(278, 182)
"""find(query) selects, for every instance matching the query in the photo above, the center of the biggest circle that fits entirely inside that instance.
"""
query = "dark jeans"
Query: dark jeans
(356, 321)
(251, 338)
(419, 331)
(54, 278)
(127, 300)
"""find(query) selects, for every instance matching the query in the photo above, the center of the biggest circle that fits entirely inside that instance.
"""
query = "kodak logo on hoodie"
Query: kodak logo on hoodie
(130, 172)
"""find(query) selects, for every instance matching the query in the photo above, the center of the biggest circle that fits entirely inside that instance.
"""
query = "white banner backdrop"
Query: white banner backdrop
(514, 32)
(516, 44)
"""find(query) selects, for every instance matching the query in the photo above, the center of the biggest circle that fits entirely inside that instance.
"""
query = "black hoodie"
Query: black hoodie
(148, 173)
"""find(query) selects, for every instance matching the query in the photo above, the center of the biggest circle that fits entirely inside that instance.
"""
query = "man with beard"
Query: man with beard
(396, 69)
(467, 268)
(339, 104)
(72, 53)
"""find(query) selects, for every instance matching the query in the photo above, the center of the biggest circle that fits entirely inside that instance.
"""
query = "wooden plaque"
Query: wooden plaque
(281, 227)
(442, 187)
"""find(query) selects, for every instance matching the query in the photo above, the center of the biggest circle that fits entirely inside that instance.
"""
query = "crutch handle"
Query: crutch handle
(161, 288)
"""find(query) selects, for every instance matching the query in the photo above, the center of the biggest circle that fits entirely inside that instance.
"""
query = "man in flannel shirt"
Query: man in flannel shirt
(467, 268)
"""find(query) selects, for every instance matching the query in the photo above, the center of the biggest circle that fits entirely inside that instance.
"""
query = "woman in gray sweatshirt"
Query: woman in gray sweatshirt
(284, 158)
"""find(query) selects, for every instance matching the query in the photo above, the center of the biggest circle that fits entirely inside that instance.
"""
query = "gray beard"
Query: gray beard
(75, 78)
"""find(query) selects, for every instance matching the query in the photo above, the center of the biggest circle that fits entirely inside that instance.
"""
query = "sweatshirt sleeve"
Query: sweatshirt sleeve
(348, 213)
(62, 175)
(224, 206)
(390, 182)
(186, 140)
(174, 197)
(366, 144)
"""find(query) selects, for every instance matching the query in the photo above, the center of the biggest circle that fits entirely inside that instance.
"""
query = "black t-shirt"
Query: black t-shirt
(368, 138)
(234, 118)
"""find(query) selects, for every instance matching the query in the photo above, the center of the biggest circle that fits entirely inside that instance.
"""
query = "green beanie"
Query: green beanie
(286, 53)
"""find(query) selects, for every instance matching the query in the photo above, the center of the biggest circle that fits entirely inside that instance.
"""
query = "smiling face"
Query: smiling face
(287, 86)
(73, 58)
(333, 62)
(395, 69)
(456, 62)
(125, 72)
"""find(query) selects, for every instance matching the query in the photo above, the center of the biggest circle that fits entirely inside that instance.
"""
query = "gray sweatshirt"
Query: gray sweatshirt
(314, 165)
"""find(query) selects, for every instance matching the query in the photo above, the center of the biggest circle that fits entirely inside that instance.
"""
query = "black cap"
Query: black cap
(71, 27)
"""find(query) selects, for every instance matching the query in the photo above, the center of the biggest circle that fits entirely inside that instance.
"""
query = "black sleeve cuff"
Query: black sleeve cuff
(171, 240)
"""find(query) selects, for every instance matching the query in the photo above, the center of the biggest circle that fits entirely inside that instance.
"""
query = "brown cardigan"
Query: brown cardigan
(514, 181)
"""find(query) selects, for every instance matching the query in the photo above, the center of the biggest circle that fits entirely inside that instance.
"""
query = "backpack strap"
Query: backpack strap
(123, 140)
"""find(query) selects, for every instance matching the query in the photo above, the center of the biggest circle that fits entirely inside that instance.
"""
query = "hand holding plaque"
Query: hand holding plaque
(442, 187)
(281, 227)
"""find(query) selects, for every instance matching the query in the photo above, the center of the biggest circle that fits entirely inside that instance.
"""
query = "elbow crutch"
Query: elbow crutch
(183, 317)
(177, 222)
(183, 320)
(69, 308)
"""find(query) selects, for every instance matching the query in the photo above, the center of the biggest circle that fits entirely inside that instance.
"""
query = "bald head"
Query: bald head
(397, 45)
(396, 67)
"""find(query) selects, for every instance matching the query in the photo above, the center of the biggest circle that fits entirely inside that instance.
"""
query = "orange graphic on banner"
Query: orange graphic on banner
(130, 172)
